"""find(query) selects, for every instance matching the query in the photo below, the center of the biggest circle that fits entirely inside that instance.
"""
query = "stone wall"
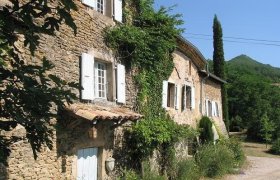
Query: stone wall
(64, 50)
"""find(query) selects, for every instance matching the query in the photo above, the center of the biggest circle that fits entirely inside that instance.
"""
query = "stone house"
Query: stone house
(191, 91)
(90, 131)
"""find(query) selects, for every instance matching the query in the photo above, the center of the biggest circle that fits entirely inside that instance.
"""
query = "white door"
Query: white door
(87, 164)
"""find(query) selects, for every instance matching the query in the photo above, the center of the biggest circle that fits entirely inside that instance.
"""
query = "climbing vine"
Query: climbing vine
(145, 43)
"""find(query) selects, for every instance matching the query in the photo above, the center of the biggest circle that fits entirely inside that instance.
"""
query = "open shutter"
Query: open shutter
(217, 109)
(90, 3)
(184, 97)
(177, 91)
(206, 107)
(192, 97)
(120, 83)
(87, 77)
(164, 94)
(118, 10)
(213, 109)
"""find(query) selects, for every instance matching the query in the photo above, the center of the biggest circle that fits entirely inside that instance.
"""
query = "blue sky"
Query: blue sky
(251, 19)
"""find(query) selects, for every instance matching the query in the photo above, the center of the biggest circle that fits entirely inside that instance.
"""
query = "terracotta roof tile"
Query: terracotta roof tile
(95, 112)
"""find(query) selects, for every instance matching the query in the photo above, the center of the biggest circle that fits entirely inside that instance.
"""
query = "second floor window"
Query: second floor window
(100, 80)
(100, 6)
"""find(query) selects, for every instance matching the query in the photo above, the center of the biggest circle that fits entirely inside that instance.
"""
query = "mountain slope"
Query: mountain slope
(245, 65)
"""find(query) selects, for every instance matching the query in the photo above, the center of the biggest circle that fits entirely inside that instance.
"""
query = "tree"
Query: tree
(219, 64)
(267, 129)
(30, 96)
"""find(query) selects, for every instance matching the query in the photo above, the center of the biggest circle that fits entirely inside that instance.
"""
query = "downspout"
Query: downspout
(202, 90)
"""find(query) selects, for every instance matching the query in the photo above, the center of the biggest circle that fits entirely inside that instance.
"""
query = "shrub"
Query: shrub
(214, 160)
(130, 175)
(148, 174)
(275, 148)
(187, 169)
(206, 134)
(235, 146)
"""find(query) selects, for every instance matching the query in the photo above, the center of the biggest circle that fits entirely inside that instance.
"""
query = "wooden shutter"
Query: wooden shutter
(184, 98)
(164, 93)
(87, 77)
(87, 164)
(118, 10)
(177, 95)
(120, 83)
(217, 109)
(90, 3)
(192, 97)
(206, 107)
(213, 108)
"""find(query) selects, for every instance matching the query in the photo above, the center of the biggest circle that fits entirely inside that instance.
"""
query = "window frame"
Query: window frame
(97, 89)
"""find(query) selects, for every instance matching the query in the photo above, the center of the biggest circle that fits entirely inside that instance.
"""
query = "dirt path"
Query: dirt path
(260, 168)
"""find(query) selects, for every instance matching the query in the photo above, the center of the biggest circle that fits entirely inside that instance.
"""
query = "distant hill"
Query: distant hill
(245, 65)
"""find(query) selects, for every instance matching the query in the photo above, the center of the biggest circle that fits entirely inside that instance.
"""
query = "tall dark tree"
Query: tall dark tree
(219, 64)
(29, 94)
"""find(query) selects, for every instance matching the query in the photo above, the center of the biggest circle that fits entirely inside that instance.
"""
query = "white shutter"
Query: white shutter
(217, 109)
(87, 164)
(206, 107)
(192, 97)
(118, 10)
(120, 83)
(177, 91)
(213, 108)
(90, 3)
(87, 77)
(185, 97)
(164, 93)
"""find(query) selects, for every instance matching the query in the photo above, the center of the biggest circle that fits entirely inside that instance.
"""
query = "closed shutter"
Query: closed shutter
(120, 83)
(90, 3)
(87, 164)
(177, 94)
(164, 93)
(87, 77)
(118, 10)
(192, 97)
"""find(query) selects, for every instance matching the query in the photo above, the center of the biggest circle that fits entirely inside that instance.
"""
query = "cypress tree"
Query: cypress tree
(219, 64)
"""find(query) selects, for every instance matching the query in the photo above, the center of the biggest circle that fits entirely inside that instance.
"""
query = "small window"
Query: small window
(190, 67)
(100, 6)
(100, 80)
(171, 95)
(186, 97)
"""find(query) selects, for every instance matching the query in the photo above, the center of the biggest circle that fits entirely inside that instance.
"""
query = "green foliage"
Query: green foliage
(214, 160)
(235, 146)
(145, 43)
(148, 174)
(130, 175)
(206, 132)
(275, 148)
(219, 65)
(267, 128)
(188, 169)
(30, 95)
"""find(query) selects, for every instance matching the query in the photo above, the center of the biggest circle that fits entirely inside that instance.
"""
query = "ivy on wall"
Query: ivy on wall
(146, 42)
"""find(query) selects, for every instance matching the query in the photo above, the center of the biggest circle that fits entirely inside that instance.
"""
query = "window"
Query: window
(110, 8)
(212, 108)
(170, 95)
(100, 6)
(186, 97)
(100, 80)
(97, 80)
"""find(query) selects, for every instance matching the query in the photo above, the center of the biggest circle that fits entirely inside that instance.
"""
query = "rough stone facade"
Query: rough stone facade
(64, 50)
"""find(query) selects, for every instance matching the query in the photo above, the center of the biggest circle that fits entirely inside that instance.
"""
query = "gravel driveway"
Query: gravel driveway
(260, 168)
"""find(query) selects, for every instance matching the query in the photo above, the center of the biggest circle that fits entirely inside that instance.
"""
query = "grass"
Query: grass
(254, 148)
